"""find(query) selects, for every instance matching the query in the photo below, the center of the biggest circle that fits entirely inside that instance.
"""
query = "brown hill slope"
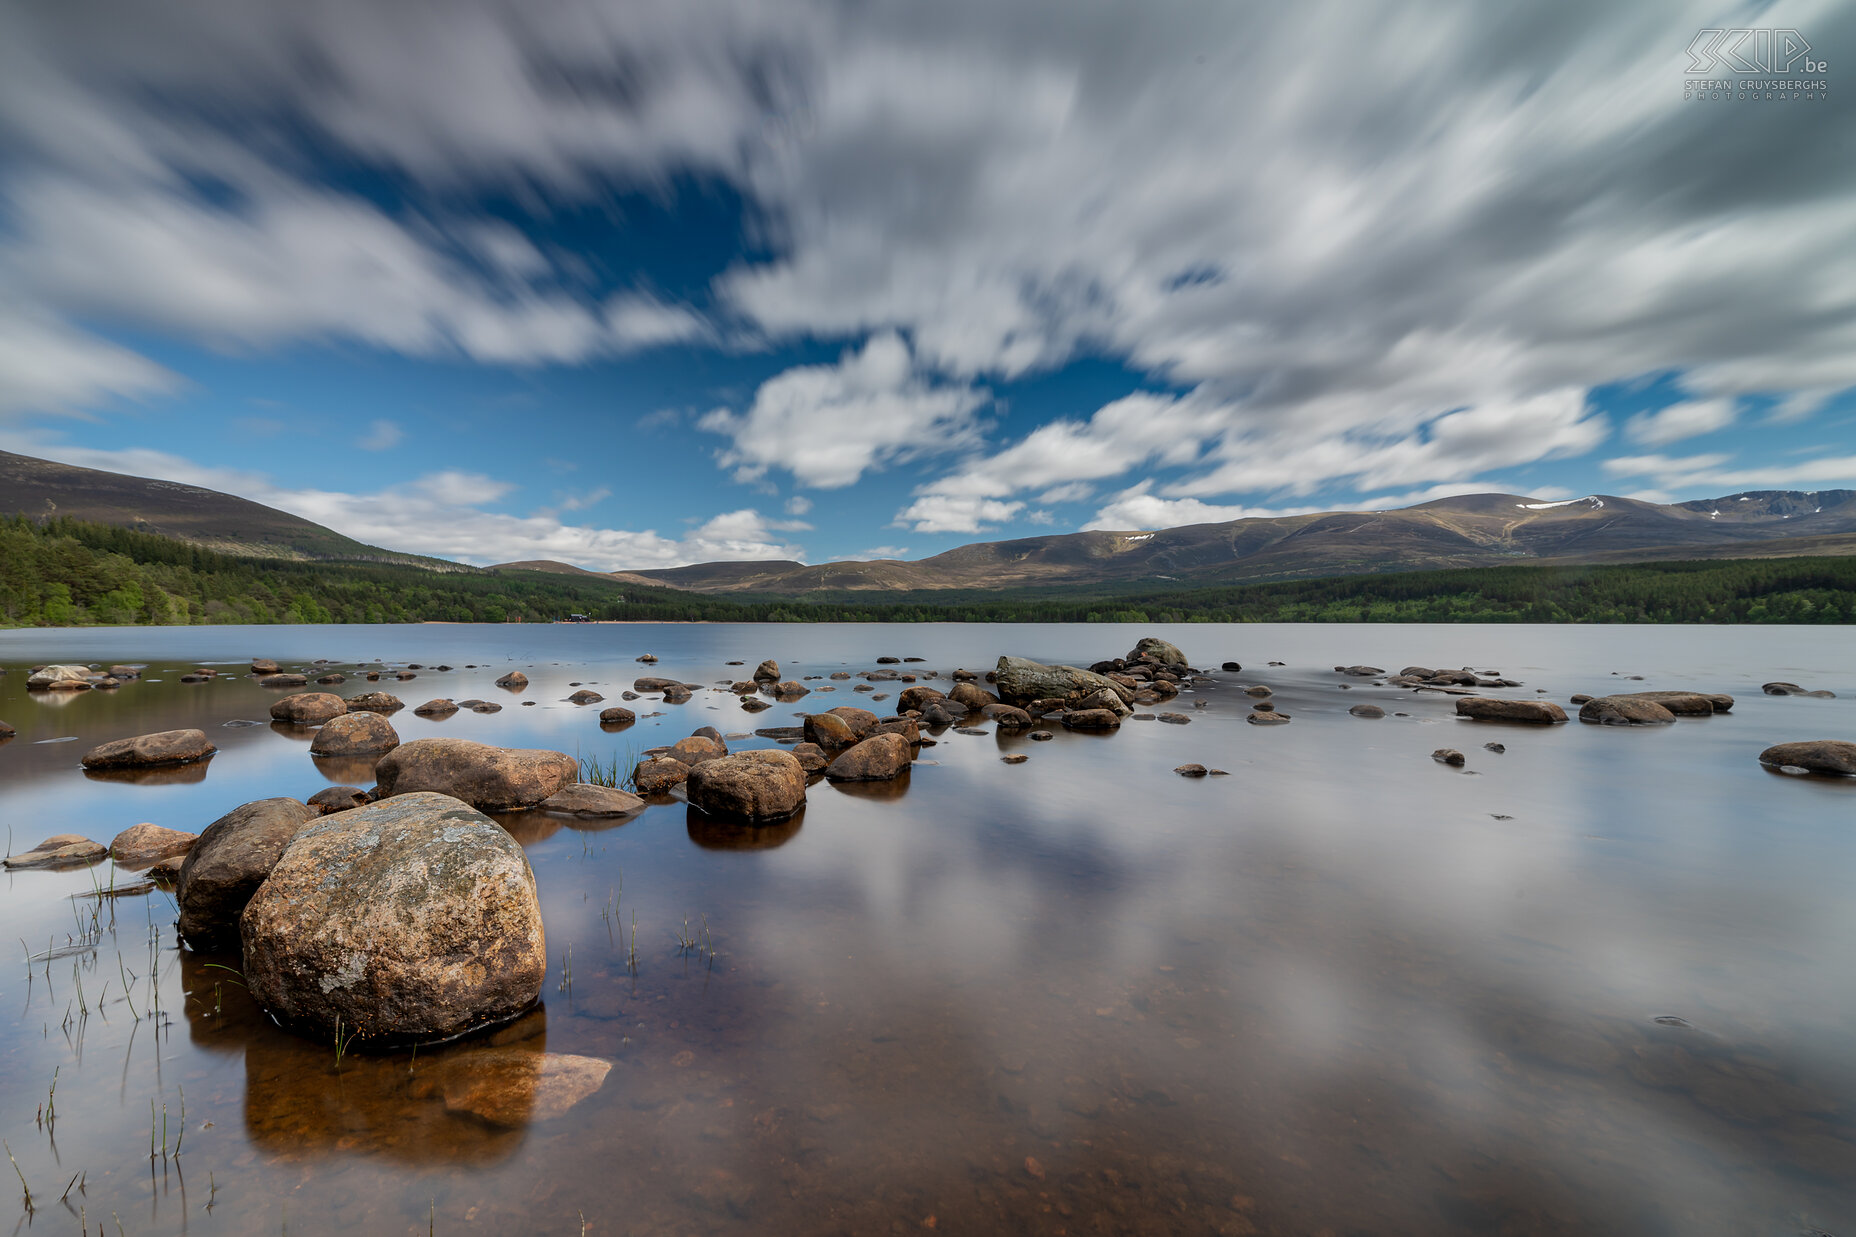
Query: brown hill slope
(223, 522)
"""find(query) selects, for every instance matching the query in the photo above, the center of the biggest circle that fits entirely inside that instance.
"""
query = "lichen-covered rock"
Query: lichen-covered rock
(412, 919)
(971, 697)
(581, 799)
(1021, 680)
(760, 785)
(829, 731)
(486, 777)
(144, 845)
(811, 757)
(308, 708)
(1153, 648)
(696, 749)
(375, 702)
(167, 747)
(1625, 711)
(1488, 708)
(225, 867)
(355, 734)
(657, 776)
(61, 850)
(876, 759)
(1816, 755)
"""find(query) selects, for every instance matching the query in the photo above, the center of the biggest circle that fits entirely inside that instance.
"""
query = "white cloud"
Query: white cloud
(1135, 508)
(641, 320)
(1712, 476)
(1455, 489)
(381, 436)
(442, 514)
(829, 424)
(49, 366)
(874, 552)
(1688, 419)
(798, 504)
(948, 513)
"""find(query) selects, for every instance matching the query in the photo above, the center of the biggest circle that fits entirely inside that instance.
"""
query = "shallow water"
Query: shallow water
(1601, 982)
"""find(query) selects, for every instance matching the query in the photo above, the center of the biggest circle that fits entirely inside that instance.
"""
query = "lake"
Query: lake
(1603, 981)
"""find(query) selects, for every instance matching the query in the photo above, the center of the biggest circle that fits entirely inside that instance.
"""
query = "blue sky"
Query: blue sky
(635, 285)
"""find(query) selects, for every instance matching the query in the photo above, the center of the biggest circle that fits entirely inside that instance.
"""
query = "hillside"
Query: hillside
(1478, 530)
(41, 489)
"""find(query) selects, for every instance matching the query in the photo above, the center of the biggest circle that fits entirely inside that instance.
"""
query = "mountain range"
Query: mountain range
(1475, 530)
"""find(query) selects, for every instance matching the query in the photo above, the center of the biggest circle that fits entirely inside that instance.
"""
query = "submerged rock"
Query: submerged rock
(436, 708)
(415, 918)
(308, 708)
(144, 845)
(1363, 672)
(284, 680)
(1266, 717)
(585, 695)
(582, 799)
(1091, 719)
(515, 1087)
(486, 777)
(225, 867)
(761, 785)
(1194, 770)
(6, 731)
(1367, 711)
(617, 715)
(1489, 708)
(167, 747)
(515, 680)
(1449, 756)
(1814, 755)
(61, 850)
(263, 665)
(1792, 689)
(355, 734)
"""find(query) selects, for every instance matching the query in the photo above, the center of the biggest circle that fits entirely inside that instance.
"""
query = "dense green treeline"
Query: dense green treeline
(68, 573)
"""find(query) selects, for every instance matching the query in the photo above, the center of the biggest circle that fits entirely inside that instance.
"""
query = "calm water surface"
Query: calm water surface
(1604, 982)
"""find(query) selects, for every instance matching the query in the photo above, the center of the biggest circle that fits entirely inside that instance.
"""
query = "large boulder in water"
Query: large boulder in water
(1153, 648)
(761, 785)
(355, 734)
(411, 919)
(876, 759)
(1488, 708)
(225, 867)
(486, 777)
(308, 708)
(1625, 711)
(61, 850)
(1816, 755)
(1021, 680)
(767, 672)
(167, 747)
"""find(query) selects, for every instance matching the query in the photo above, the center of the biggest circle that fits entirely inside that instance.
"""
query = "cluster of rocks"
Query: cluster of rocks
(1653, 708)
(68, 678)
